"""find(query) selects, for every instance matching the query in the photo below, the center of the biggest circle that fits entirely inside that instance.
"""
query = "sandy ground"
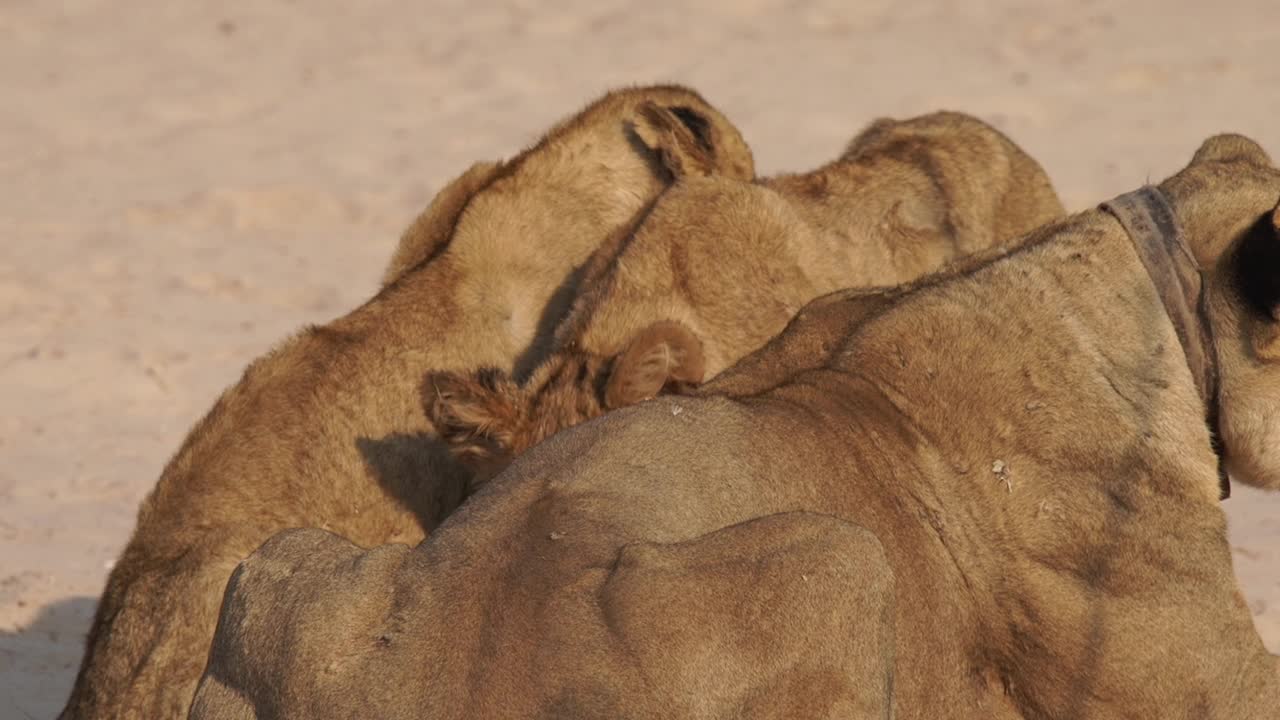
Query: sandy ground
(182, 184)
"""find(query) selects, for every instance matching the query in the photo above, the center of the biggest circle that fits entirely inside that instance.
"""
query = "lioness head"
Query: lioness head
(1226, 201)
(488, 419)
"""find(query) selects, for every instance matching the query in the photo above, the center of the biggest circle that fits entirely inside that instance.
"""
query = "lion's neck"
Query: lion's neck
(1063, 453)
(1052, 401)
(1065, 332)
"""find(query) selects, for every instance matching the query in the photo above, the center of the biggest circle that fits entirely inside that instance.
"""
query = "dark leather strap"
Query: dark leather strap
(1153, 228)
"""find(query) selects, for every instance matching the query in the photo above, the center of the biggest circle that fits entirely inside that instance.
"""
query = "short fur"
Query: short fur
(327, 430)
(732, 262)
(1023, 437)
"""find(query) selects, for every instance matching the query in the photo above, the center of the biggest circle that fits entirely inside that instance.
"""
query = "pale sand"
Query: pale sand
(183, 185)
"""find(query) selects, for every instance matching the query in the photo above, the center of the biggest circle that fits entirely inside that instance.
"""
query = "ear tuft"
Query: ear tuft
(476, 413)
(1230, 147)
(664, 354)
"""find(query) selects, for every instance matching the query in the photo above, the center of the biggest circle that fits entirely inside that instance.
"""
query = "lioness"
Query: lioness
(1029, 439)
(326, 430)
(720, 265)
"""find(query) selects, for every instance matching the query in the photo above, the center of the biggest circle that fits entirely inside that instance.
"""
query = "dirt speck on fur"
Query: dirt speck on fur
(1001, 471)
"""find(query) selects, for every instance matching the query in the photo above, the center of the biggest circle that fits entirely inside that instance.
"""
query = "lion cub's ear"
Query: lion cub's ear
(476, 414)
(431, 230)
(687, 142)
(663, 356)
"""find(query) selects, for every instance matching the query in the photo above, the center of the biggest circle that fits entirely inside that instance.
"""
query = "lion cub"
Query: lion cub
(326, 430)
(720, 265)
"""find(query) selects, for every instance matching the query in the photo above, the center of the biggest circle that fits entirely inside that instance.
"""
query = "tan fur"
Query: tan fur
(1023, 437)
(733, 262)
(327, 429)
(668, 646)
(430, 231)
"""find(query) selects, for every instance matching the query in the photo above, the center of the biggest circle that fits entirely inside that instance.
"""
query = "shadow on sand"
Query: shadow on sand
(38, 661)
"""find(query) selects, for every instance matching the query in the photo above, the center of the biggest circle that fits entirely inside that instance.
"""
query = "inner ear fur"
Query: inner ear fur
(1257, 277)
(665, 353)
(686, 140)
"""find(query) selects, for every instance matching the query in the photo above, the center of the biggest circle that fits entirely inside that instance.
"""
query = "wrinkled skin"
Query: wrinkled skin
(719, 266)
(1022, 436)
(326, 430)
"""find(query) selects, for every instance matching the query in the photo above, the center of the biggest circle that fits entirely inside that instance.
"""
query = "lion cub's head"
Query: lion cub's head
(488, 419)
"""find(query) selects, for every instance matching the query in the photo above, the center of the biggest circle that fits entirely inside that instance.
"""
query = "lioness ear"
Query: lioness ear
(663, 354)
(1228, 147)
(1257, 275)
(1267, 338)
(688, 142)
(431, 230)
(477, 414)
